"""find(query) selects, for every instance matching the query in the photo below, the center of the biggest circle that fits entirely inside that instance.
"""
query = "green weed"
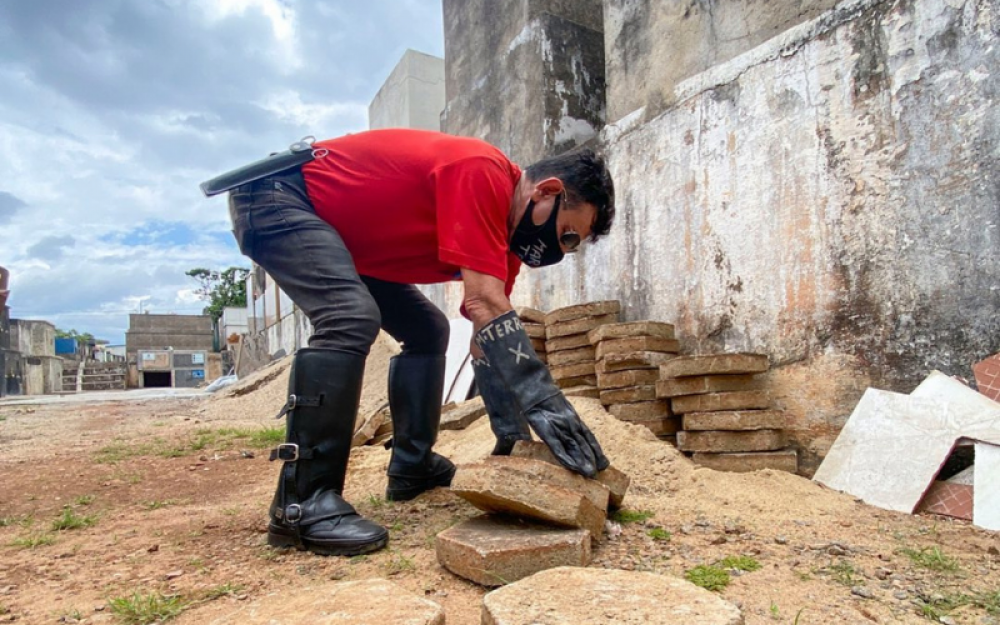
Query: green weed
(34, 540)
(84, 500)
(843, 573)
(72, 521)
(658, 533)
(399, 563)
(223, 590)
(143, 609)
(631, 516)
(775, 612)
(156, 504)
(739, 563)
(708, 577)
(931, 558)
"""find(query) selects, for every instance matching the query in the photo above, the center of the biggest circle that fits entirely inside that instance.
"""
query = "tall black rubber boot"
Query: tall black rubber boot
(416, 383)
(308, 511)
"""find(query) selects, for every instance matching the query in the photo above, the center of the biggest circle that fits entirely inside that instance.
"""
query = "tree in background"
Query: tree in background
(81, 339)
(221, 288)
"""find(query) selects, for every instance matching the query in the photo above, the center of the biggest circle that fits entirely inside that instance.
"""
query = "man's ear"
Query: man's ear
(546, 188)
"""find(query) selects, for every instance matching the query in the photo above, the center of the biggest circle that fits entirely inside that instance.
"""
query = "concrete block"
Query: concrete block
(784, 460)
(566, 342)
(577, 370)
(628, 395)
(530, 315)
(572, 356)
(533, 489)
(632, 360)
(583, 380)
(583, 390)
(631, 329)
(412, 96)
(616, 481)
(632, 377)
(593, 596)
(710, 402)
(494, 551)
(736, 420)
(637, 344)
(534, 330)
(577, 326)
(580, 311)
(463, 415)
(641, 410)
(714, 364)
(697, 385)
(721, 442)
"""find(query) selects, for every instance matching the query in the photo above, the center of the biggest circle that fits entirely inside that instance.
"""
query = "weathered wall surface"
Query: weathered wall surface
(33, 338)
(831, 198)
(155, 332)
(525, 75)
(651, 46)
(412, 96)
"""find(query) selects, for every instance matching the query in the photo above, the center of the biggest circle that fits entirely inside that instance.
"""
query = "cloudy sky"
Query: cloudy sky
(112, 112)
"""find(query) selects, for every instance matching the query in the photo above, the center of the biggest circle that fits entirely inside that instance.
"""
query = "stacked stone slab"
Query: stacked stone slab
(628, 356)
(728, 423)
(571, 357)
(534, 325)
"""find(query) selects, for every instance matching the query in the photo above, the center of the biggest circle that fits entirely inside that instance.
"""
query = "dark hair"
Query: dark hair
(586, 179)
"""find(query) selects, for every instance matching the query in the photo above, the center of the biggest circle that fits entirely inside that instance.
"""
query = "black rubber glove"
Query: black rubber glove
(506, 420)
(511, 356)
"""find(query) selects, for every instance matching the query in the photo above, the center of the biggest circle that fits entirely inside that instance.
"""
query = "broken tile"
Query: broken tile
(572, 356)
(641, 410)
(987, 374)
(566, 342)
(494, 551)
(699, 385)
(531, 315)
(572, 371)
(632, 360)
(714, 364)
(616, 481)
(632, 377)
(637, 344)
(577, 326)
(745, 462)
(954, 500)
(631, 329)
(583, 380)
(579, 311)
(628, 395)
(736, 420)
(724, 442)
(463, 415)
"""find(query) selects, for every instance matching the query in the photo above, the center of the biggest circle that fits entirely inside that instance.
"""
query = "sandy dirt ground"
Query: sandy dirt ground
(171, 495)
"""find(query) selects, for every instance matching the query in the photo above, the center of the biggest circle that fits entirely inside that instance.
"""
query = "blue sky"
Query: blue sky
(112, 112)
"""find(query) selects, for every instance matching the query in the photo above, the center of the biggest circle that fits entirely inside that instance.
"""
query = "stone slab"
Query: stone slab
(660, 426)
(637, 344)
(628, 395)
(583, 380)
(723, 442)
(572, 356)
(630, 329)
(371, 425)
(566, 342)
(539, 346)
(583, 390)
(577, 326)
(530, 315)
(616, 481)
(534, 330)
(714, 364)
(986, 495)
(632, 360)
(893, 445)
(736, 420)
(711, 402)
(580, 311)
(463, 415)
(342, 603)
(784, 460)
(576, 370)
(631, 377)
(641, 410)
(699, 385)
(593, 596)
(494, 551)
(533, 489)
(987, 374)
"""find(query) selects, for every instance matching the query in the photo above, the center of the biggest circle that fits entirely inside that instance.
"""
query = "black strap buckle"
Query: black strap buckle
(292, 513)
(294, 401)
(286, 452)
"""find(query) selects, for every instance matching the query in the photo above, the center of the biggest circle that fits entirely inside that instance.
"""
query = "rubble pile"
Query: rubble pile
(727, 421)
(570, 356)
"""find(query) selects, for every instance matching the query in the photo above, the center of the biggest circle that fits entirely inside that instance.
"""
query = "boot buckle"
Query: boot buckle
(292, 513)
(286, 452)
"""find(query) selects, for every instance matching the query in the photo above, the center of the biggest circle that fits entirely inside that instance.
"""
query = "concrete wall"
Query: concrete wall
(525, 75)
(652, 46)
(33, 338)
(42, 375)
(154, 332)
(412, 96)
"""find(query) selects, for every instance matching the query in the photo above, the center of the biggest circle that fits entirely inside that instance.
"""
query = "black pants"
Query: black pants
(275, 225)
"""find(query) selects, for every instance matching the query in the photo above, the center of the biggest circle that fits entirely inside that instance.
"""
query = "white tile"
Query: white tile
(986, 492)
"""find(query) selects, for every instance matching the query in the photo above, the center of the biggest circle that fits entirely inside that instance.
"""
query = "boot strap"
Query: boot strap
(290, 452)
(297, 401)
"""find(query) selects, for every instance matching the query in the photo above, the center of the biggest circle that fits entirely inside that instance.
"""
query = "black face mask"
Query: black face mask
(537, 246)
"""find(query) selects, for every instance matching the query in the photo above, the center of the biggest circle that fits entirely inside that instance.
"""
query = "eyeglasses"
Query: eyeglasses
(570, 240)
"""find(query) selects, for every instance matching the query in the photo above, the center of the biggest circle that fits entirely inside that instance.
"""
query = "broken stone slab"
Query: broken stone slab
(583, 390)
(628, 395)
(566, 342)
(371, 425)
(736, 420)
(637, 344)
(660, 426)
(632, 360)
(631, 377)
(658, 408)
(616, 481)
(629, 329)
(577, 326)
(714, 364)
(463, 415)
(593, 596)
(494, 551)
(342, 603)
(534, 330)
(698, 385)
(539, 346)
(576, 370)
(583, 380)
(533, 489)
(722, 442)
(579, 311)
(745, 462)
(530, 315)
(572, 356)
(711, 402)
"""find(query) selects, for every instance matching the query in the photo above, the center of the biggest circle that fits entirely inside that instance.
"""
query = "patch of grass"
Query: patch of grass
(708, 577)
(72, 521)
(631, 516)
(119, 451)
(9, 521)
(399, 563)
(143, 609)
(844, 573)
(34, 540)
(84, 500)
(223, 590)
(935, 608)
(775, 612)
(267, 437)
(658, 533)
(376, 501)
(156, 504)
(739, 563)
(71, 615)
(988, 601)
(931, 558)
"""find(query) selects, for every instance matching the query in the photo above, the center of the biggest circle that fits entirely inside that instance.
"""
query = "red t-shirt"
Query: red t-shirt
(415, 206)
